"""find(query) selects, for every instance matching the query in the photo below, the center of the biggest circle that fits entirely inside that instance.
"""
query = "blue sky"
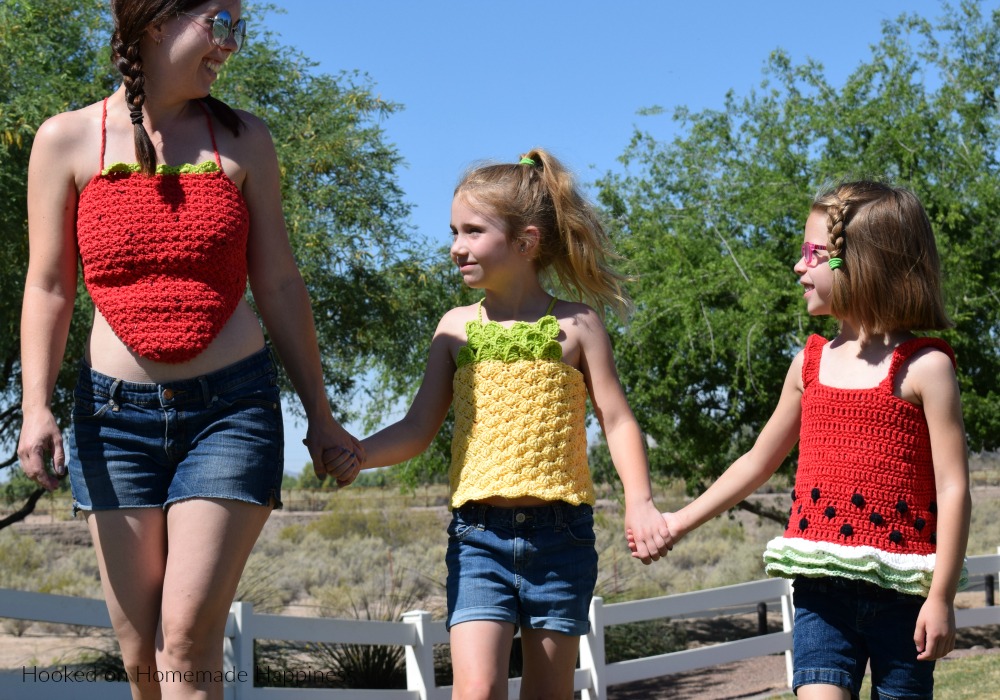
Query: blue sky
(490, 80)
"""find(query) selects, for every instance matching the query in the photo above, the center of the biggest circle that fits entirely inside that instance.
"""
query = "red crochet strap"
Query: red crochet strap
(211, 132)
(104, 131)
(810, 362)
(906, 350)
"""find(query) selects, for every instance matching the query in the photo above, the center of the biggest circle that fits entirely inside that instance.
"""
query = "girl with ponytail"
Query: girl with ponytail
(518, 367)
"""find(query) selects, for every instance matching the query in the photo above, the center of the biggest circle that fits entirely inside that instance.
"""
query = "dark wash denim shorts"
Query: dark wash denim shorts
(842, 625)
(137, 445)
(535, 567)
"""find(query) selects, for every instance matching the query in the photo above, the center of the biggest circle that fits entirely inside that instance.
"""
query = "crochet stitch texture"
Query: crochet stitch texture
(864, 504)
(164, 257)
(519, 417)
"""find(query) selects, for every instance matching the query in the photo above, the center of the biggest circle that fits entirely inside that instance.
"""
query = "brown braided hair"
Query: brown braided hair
(890, 279)
(132, 18)
(539, 191)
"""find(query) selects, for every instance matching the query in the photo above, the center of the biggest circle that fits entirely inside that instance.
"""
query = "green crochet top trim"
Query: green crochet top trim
(209, 166)
(522, 341)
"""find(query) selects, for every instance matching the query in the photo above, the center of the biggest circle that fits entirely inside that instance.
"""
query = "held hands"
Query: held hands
(338, 455)
(40, 437)
(647, 533)
(668, 533)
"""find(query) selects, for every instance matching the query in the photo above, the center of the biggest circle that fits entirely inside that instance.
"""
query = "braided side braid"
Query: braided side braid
(129, 63)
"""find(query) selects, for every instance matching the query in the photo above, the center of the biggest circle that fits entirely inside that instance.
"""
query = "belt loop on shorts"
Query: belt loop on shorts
(481, 509)
(114, 392)
(206, 390)
(561, 513)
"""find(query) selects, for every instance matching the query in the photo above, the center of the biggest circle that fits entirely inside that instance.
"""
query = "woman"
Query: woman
(171, 200)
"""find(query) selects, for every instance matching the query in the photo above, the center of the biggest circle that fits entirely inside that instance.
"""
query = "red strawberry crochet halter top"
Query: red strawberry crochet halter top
(164, 256)
(864, 505)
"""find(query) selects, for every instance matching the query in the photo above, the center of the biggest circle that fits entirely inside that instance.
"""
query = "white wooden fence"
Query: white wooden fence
(418, 634)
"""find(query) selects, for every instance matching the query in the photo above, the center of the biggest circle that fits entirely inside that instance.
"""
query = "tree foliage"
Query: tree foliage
(346, 215)
(713, 220)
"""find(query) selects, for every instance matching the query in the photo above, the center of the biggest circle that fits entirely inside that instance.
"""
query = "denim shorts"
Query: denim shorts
(534, 567)
(841, 625)
(137, 445)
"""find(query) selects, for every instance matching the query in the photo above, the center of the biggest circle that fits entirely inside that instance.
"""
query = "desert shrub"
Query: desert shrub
(636, 640)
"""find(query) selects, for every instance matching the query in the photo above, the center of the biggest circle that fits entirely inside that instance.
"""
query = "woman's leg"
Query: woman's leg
(209, 542)
(131, 551)
(480, 657)
(549, 662)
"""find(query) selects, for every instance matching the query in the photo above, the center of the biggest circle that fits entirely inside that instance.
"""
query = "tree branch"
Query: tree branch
(778, 516)
(27, 509)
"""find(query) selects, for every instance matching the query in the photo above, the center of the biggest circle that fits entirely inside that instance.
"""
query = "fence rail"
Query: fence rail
(418, 634)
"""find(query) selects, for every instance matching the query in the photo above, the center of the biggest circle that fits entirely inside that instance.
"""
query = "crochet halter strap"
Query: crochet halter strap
(548, 310)
(104, 132)
(164, 256)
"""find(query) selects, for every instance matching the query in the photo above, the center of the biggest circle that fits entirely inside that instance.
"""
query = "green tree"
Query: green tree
(713, 220)
(346, 215)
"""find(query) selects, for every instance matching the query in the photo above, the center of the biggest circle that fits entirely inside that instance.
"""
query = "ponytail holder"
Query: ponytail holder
(526, 161)
(136, 116)
(835, 263)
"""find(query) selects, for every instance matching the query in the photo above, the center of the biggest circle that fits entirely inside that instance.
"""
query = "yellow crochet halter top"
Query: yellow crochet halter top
(520, 416)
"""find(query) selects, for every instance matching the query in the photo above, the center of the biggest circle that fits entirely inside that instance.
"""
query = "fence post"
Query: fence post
(237, 653)
(592, 653)
(761, 619)
(420, 656)
(787, 624)
(988, 582)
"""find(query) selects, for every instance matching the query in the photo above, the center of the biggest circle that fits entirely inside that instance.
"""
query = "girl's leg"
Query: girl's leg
(131, 554)
(549, 662)
(480, 657)
(209, 543)
(820, 691)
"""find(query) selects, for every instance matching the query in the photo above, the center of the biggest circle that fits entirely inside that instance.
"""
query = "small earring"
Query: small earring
(522, 248)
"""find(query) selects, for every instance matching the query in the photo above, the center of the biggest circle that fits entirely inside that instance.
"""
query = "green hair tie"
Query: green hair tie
(526, 161)
(835, 263)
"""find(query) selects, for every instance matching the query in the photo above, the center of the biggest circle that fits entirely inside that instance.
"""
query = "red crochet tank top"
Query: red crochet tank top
(865, 474)
(164, 256)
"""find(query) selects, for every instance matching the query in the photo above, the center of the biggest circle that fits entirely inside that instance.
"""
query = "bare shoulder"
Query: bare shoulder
(453, 322)
(578, 317)
(70, 142)
(930, 364)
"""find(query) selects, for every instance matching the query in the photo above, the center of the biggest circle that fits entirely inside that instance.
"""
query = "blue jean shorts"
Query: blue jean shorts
(137, 445)
(534, 567)
(841, 625)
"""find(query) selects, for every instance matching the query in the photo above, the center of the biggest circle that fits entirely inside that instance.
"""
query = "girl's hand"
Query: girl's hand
(647, 533)
(672, 537)
(934, 635)
(332, 456)
(335, 453)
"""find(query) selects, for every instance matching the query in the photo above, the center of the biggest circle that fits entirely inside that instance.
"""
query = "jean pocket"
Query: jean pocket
(581, 531)
(254, 396)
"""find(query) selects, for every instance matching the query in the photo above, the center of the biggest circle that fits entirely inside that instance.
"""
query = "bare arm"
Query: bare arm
(412, 434)
(49, 293)
(284, 305)
(624, 436)
(755, 467)
(937, 387)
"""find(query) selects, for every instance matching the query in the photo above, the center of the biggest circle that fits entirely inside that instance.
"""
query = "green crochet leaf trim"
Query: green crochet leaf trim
(522, 341)
(209, 166)
(788, 562)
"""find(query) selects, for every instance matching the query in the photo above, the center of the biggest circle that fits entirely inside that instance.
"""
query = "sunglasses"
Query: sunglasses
(223, 28)
(809, 251)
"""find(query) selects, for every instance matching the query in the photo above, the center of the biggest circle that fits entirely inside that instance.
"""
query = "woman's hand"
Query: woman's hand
(40, 437)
